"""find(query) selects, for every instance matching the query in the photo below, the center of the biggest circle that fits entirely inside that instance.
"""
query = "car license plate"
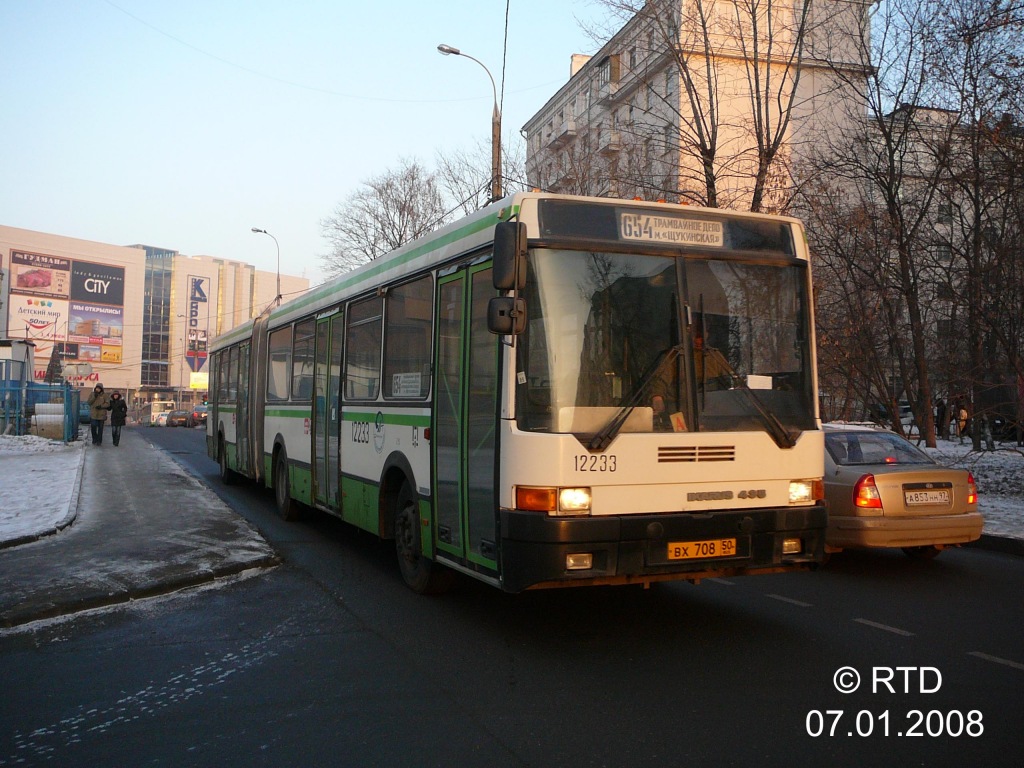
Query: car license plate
(693, 550)
(915, 498)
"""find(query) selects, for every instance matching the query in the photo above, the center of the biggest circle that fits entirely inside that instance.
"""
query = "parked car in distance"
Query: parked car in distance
(161, 419)
(179, 419)
(882, 491)
(84, 411)
(199, 414)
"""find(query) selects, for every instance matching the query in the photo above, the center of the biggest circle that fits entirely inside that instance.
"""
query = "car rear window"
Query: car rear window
(851, 448)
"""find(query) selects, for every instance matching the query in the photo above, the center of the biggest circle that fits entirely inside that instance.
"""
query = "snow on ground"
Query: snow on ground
(37, 481)
(999, 476)
(38, 476)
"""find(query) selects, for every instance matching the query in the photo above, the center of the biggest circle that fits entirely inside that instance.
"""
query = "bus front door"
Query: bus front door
(465, 421)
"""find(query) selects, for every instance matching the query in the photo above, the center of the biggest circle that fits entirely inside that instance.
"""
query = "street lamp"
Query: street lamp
(448, 50)
(259, 231)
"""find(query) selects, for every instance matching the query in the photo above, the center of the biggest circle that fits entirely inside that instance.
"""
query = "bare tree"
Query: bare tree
(929, 164)
(386, 212)
(883, 161)
(465, 175)
(980, 73)
(725, 77)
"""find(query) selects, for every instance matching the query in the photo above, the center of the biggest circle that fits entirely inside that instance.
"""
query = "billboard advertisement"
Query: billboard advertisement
(40, 320)
(196, 351)
(95, 333)
(35, 274)
(76, 305)
(99, 283)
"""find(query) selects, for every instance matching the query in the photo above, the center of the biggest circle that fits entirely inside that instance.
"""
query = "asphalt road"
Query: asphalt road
(330, 660)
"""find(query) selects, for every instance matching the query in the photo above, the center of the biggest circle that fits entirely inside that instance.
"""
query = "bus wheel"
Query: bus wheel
(421, 574)
(227, 475)
(287, 507)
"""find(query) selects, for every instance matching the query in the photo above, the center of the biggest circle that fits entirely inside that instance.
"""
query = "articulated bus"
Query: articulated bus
(554, 391)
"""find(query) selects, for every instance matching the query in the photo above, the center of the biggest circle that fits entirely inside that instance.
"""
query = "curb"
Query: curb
(1007, 545)
(16, 619)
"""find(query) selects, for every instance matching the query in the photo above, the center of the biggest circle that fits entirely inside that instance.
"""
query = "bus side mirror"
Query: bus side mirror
(509, 271)
(506, 315)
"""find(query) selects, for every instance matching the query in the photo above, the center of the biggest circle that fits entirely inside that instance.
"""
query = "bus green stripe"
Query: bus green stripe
(384, 264)
(398, 419)
(290, 413)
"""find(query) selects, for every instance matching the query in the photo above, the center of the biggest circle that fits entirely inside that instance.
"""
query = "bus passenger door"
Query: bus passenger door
(326, 388)
(463, 439)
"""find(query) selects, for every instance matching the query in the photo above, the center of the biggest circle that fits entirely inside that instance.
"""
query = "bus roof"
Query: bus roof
(447, 242)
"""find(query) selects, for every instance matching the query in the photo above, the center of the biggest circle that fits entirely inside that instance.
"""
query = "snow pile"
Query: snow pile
(31, 444)
(997, 473)
(999, 476)
(38, 479)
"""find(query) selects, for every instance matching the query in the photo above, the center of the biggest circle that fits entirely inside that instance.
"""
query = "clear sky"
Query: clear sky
(183, 124)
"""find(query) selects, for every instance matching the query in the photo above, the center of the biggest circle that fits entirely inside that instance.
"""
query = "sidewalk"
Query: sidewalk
(132, 524)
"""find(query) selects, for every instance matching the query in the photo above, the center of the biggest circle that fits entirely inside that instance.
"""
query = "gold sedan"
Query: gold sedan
(882, 491)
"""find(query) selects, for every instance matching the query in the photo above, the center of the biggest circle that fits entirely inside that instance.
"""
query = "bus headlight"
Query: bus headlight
(573, 501)
(805, 491)
(554, 501)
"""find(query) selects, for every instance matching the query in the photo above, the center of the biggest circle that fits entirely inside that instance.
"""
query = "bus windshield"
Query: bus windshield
(663, 343)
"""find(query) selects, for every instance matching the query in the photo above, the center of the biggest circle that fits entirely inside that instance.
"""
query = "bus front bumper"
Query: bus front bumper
(540, 551)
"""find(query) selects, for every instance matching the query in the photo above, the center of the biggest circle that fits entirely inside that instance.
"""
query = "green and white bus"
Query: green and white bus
(554, 391)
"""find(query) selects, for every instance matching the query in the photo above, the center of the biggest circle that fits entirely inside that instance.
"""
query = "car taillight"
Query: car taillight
(865, 493)
(972, 489)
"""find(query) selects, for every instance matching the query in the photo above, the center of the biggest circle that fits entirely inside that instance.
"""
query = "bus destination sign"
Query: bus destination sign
(670, 230)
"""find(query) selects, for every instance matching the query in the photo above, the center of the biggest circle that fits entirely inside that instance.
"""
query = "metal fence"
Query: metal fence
(46, 410)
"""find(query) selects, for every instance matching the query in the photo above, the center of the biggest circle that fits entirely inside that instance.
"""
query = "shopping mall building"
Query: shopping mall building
(138, 319)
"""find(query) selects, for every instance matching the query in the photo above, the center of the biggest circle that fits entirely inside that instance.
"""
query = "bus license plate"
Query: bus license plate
(926, 497)
(692, 550)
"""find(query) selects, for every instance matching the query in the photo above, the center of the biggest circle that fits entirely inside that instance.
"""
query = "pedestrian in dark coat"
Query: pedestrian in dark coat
(99, 405)
(118, 416)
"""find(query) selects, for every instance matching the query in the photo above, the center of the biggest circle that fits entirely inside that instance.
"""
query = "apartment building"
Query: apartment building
(686, 98)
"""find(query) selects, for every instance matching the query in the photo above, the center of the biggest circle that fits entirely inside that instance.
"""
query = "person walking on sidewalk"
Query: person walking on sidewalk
(118, 416)
(99, 404)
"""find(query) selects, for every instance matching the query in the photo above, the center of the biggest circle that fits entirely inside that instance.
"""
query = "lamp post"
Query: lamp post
(259, 231)
(448, 50)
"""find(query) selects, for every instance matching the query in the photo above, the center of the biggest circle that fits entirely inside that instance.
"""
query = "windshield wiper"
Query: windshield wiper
(776, 429)
(604, 437)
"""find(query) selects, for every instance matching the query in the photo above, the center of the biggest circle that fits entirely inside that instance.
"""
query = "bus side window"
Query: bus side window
(302, 360)
(232, 376)
(280, 368)
(362, 350)
(407, 339)
(219, 371)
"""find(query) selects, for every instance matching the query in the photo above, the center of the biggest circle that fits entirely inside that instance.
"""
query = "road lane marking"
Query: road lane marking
(790, 600)
(886, 627)
(996, 659)
(720, 580)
